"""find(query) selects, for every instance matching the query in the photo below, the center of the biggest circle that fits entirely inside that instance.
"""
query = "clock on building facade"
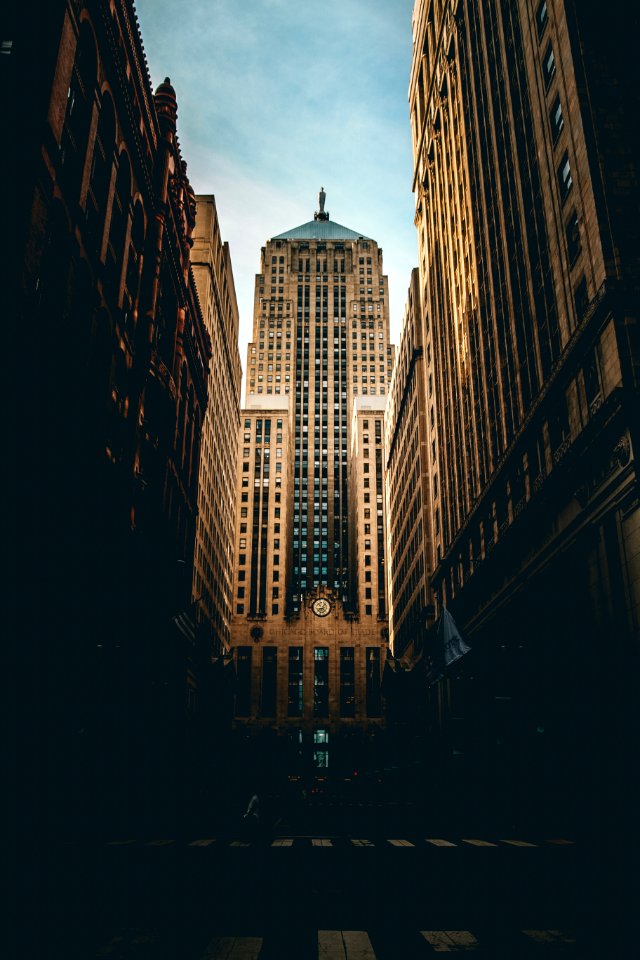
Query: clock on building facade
(321, 607)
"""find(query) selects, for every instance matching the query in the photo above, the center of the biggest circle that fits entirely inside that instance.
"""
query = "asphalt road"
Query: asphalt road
(349, 894)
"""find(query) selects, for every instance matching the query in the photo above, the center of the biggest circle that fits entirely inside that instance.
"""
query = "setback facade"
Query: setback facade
(305, 645)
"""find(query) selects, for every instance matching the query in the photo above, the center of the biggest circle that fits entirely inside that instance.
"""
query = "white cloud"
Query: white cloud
(277, 98)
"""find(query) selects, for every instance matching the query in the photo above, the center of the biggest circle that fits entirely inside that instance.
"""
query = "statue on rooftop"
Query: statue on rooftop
(321, 214)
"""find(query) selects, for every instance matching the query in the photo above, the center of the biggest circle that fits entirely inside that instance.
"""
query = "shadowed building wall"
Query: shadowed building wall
(119, 355)
(525, 178)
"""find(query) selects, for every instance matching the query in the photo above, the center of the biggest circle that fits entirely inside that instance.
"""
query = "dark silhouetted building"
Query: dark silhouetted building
(110, 428)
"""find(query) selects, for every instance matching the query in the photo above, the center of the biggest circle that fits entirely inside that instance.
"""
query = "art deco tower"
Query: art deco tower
(309, 574)
(321, 335)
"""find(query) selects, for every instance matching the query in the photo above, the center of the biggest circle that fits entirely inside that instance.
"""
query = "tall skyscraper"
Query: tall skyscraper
(410, 553)
(319, 362)
(321, 334)
(526, 186)
(215, 530)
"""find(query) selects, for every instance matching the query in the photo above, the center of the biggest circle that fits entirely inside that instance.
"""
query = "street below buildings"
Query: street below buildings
(365, 892)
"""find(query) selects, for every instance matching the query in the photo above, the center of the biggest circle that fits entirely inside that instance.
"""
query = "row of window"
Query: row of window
(556, 119)
(318, 703)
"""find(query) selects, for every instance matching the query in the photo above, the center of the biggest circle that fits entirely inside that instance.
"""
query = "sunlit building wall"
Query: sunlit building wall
(408, 493)
(215, 531)
(310, 659)
(526, 176)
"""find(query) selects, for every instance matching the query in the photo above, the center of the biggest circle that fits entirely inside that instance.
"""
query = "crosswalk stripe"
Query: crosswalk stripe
(362, 843)
(233, 948)
(401, 843)
(519, 843)
(344, 945)
(202, 843)
(160, 843)
(548, 936)
(321, 843)
(282, 843)
(448, 941)
(442, 843)
(239, 843)
(480, 843)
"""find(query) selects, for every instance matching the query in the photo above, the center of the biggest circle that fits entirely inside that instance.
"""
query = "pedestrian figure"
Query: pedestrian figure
(253, 818)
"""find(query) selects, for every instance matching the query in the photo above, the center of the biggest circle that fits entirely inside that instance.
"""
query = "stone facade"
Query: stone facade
(369, 516)
(320, 348)
(262, 558)
(525, 176)
(215, 532)
(408, 492)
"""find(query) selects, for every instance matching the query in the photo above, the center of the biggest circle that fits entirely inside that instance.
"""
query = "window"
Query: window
(347, 682)
(593, 379)
(549, 65)
(321, 682)
(373, 701)
(556, 118)
(581, 297)
(294, 705)
(542, 17)
(243, 682)
(572, 231)
(320, 754)
(269, 681)
(565, 180)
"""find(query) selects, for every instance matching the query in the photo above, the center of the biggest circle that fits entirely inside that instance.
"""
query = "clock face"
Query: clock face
(321, 607)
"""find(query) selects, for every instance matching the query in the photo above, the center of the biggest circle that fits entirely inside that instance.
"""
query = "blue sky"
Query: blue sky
(277, 98)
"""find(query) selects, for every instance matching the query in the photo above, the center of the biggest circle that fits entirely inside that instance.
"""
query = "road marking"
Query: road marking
(119, 843)
(362, 843)
(130, 940)
(448, 941)
(239, 843)
(282, 843)
(519, 843)
(401, 843)
(160, 843)
(344, 945)
(321, 843)
(202, 843)
(233, 948)
(480, 843)
(562, 842)
(548, 936)
(442, 843)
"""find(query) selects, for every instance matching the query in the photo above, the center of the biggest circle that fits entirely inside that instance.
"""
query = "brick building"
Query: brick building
(110, 428)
